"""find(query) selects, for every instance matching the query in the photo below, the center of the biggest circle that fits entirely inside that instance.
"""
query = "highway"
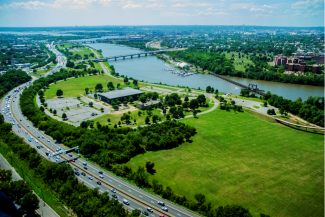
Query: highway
(138, 198)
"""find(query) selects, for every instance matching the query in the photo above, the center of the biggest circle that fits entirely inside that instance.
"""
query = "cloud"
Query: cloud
(178, 5)
(130, 5)
(152, 0)
(155, 5)
(26, 5)
(211, 13)
(256, 9)
(201, 4)
(308, 3)
(267, 6)
(179, 0)
(171, 14)
(209, 9)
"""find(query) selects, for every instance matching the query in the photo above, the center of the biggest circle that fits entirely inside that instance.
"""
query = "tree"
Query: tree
(208, 89)
(56, 135)
(143, 98)
(200, 198)
(186, 99)
(29, 203)
(154, 118)
(90, 104)
(136, 213)
(201, 99)
(109, 121)
(99, 87)
(131, 100)
(118, 85)
(139, 113)
(41, 93)
(194, 113)
(119, 123)
(59, 92)
(64, 116)
(155, 96)
(149, 167)
(84, 124)
(95, 95)
(42, 100)
(110, 86)
(233, 102)
(194, 104)
(126, 79)
(135, 82)
(54, 112)
(115, 126)
(168, 116)
(147, 120)
(86, 90)
(41, 108)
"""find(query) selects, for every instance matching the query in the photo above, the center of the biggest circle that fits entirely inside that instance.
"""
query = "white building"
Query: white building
(182, 64)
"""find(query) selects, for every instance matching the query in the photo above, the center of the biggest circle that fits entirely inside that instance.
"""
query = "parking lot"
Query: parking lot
(76, 112)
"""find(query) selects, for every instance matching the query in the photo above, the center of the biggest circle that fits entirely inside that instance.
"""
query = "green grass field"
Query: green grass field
(247, 160)
(140, 120)
(76, 86)
(239, 63)
(247, 98)
(40, 73)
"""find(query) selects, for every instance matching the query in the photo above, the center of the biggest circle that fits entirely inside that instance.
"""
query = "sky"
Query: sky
(47, 13)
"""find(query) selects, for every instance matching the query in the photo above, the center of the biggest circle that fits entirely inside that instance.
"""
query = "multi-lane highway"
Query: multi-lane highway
(137, 198)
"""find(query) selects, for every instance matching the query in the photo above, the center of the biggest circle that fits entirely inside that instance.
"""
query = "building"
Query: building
(297, 63)
(143, 106)
(182, 64)
(120, 94)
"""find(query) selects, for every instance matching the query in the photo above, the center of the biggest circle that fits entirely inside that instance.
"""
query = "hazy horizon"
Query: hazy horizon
(68, 13)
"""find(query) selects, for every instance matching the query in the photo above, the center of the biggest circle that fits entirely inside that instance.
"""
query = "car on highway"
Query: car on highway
(27, 125)
(26, 132)
(113, 190)
(84, 163)
(36, 141)
(100, 172)
(57, 160)
(38, 147)
(18, 131)
(70, 155)
(161, 215)
(91, 178)
(114, 195)
(42, 137)
(76, 169)
(13, 123)
(48, 140)
(99, 183)
(83, 174)
(29, 140)
(145, 213)
(77, 173)
(85, 168)
(101, 176)
(38, 136)
(164, 208)
(126, 202)
(73, 160)
(161, 203)
(149, 209)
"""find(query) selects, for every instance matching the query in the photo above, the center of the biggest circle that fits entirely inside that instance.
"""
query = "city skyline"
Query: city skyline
(47, 13)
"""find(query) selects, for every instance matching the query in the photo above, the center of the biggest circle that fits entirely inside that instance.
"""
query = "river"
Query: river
(150, 69)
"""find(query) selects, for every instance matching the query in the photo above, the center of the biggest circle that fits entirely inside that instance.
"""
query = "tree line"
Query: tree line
(12, 79)
(216, 62)
(59, 178)
(311, 110)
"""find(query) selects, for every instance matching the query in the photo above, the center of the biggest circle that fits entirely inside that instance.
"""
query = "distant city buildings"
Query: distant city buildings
(298, 63)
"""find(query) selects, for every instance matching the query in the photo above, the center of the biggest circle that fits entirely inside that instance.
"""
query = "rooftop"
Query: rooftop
(120, 93)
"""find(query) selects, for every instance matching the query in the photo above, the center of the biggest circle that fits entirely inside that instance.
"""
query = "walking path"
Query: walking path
(44, 210)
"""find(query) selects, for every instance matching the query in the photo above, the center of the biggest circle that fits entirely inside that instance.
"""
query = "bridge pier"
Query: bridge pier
(123, 58)
(145, 54)
(131, 57)
(138, 55)
(115, 58)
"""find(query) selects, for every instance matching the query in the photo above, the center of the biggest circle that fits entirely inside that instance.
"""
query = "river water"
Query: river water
(150, 69)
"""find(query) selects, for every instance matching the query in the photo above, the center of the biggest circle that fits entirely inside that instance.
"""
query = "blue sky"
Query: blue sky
(42, 13)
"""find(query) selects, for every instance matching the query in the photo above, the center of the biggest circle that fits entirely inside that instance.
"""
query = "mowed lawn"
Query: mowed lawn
(242, 159)
(239, 63)
(75, 86)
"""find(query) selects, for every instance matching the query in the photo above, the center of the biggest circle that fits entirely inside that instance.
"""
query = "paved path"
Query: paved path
(44, 210)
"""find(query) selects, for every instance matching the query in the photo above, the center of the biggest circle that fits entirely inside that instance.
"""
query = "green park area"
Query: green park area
(76, 49)
(246, 159)
(239, 63)
(39, 73)
(75, 86)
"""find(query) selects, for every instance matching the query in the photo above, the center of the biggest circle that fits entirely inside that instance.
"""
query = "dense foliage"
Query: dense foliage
(18, 192)
(216, 62)
(61, 180)
(140, 45)
(119, 144)
(12, 79)
(311, 110)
